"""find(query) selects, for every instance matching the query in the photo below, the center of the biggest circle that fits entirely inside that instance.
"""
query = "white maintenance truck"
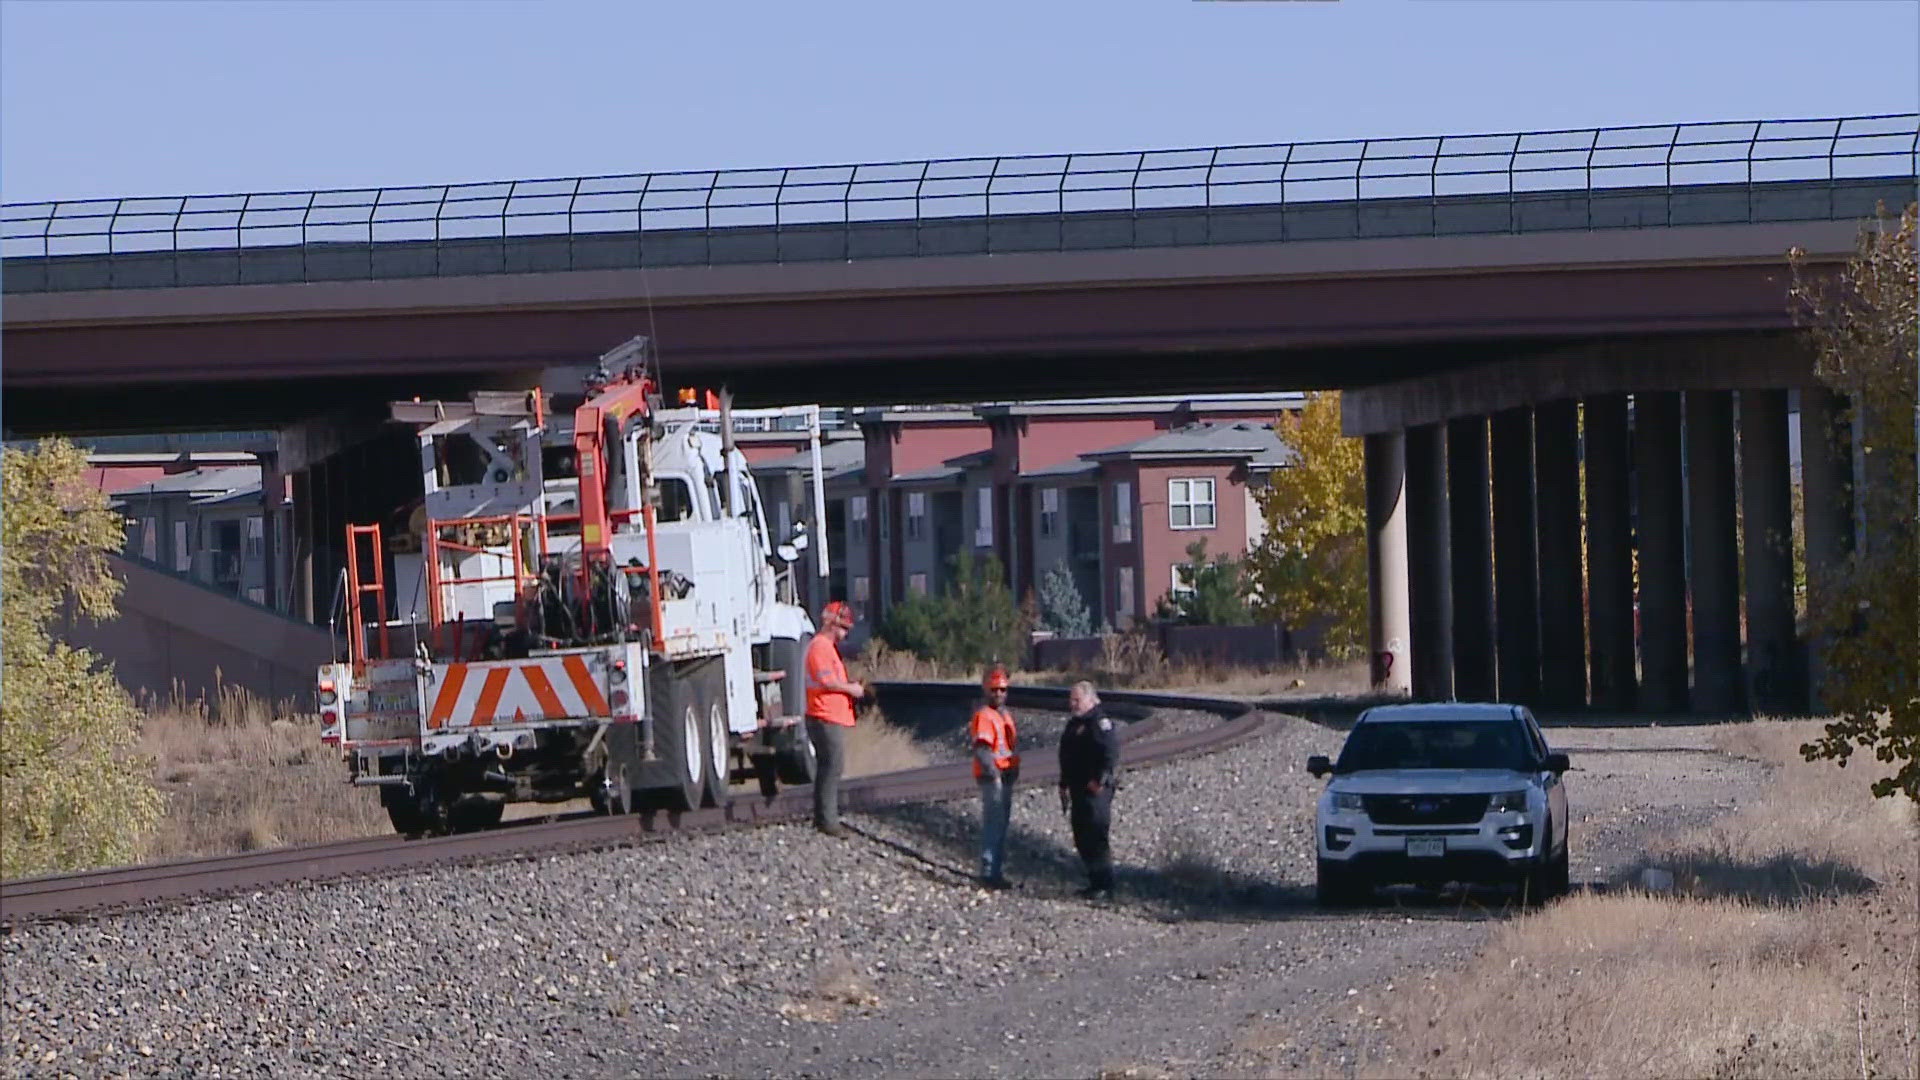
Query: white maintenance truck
(596, 613)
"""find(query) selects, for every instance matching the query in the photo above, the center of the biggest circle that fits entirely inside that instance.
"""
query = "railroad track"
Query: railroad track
(97, 892)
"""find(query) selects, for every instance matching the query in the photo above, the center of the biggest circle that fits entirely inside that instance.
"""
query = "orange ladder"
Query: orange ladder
(357, 587)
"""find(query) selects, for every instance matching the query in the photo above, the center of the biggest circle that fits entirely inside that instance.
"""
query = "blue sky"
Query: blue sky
(151, 98)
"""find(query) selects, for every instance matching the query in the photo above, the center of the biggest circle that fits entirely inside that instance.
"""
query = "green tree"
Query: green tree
(974, 619)
(75, 793)
(1062, 610)
(1867, 333)
(1311, 565)
(1216, 594)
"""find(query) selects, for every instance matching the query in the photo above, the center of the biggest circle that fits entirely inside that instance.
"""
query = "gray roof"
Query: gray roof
(200, 485)
(1062, 470)
(1256, 442)
(836, 458)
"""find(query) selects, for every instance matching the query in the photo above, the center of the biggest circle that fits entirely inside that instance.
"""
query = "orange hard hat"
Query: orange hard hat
(996, 678)
(837, 613)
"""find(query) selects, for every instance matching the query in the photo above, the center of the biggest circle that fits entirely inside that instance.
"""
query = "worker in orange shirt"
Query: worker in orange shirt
(996, 767)
(831, 697)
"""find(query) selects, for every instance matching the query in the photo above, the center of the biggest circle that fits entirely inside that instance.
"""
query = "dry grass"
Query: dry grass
(1127, 664)
(249, 781)
(877, 745)
(1790, 950)
(839, 988)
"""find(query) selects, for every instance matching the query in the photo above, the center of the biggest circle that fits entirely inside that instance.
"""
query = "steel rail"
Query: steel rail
(93, 893)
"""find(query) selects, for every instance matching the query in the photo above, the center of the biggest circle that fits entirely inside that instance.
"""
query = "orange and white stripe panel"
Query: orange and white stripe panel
(514, 692)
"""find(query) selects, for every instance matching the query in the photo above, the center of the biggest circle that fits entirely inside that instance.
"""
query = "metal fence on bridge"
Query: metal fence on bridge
(1442, 185)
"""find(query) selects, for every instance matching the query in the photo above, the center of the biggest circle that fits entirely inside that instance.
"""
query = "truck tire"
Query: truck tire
(680, 740)
(794, 759)
(718, 776)
(1337, 886)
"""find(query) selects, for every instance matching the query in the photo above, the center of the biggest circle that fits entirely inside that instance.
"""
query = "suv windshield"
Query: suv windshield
(1440, 744)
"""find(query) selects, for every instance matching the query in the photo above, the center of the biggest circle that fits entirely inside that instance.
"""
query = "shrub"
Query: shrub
(76, 794)
(974, 619)
(1217, 595)
(1062, 610)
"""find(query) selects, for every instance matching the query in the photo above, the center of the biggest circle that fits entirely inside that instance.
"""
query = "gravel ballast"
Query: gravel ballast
(780, 951)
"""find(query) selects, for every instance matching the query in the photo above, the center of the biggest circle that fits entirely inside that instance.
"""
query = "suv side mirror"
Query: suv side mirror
(1319, 766)
(1556, 764)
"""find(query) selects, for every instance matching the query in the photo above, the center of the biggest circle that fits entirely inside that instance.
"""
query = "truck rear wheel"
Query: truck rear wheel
(680, 739)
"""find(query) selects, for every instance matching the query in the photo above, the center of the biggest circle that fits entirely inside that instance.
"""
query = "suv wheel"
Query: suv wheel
(1336, 886)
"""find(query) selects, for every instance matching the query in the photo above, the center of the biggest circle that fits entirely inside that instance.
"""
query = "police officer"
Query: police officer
(1089, 758)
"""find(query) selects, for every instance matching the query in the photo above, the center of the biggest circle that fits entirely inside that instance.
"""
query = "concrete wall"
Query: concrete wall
(174, 631)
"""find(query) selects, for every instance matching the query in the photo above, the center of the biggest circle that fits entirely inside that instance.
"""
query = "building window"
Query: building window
(783, 521)
(1182, 581)
(916, 515)
(149, 539)
(1123, 512)
(256, 538)
(857, 519)
(257, 594)
(1190, 503)
(860, 591)
(182, 553)
(1049, 511)
(983, 531)
(917, 583)
(1123, 596)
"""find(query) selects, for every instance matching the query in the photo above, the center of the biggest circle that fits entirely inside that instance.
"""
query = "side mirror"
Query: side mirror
(787, 552)
(1319, 766)
(798, 542)
(1556, 764)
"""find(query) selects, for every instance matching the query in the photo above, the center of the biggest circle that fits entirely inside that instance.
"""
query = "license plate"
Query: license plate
(1426, 847)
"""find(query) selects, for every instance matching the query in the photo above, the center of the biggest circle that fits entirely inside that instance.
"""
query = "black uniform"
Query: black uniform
(1090, 751)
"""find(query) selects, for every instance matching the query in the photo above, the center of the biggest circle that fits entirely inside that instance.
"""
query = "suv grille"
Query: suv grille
(1425, 809)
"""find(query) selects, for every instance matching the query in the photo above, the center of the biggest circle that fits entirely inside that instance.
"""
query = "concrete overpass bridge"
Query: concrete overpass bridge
(1532, 277)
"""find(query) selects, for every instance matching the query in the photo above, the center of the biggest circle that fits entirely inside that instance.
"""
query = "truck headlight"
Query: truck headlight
(1347, 800)
(1508, 802)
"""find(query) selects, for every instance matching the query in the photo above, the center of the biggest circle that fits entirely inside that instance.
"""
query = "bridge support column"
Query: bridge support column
(1774, 685)
(1387, 602)
(1609, 552)
(1515, 561)
(1470, 519)
(304, 492)
(1429, 567)
(1826, 477)
(1563, 628)
(1713, 552)
(1660, 515)
(273, 490)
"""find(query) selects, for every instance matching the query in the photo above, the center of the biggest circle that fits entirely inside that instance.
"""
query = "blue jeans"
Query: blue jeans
(996, 810)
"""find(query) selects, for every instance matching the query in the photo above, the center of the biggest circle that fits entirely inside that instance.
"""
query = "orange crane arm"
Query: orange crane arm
(617, 401)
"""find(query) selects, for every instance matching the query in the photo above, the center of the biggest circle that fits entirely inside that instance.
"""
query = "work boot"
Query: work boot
(997, 884)
(835, 831)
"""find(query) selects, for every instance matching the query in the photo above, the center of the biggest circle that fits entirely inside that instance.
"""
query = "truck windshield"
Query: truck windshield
(1439, 744)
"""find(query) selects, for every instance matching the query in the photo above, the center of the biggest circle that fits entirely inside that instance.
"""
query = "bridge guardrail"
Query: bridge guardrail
(1512, 169)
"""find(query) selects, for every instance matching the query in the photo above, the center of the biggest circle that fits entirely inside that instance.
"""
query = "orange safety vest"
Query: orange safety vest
(994, 727)
(824, 663)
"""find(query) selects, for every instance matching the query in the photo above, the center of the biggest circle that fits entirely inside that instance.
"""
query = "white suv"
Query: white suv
(1431, 794)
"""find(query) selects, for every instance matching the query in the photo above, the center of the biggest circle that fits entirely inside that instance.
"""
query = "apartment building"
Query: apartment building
(1113, 490)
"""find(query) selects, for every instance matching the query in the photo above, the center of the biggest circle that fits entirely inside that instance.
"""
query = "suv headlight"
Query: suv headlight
(1346, 800)
(1508, 802)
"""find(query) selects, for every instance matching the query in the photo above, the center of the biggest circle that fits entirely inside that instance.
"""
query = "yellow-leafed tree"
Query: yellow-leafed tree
(1867, 331)
(74, 792)
(1310, 569)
